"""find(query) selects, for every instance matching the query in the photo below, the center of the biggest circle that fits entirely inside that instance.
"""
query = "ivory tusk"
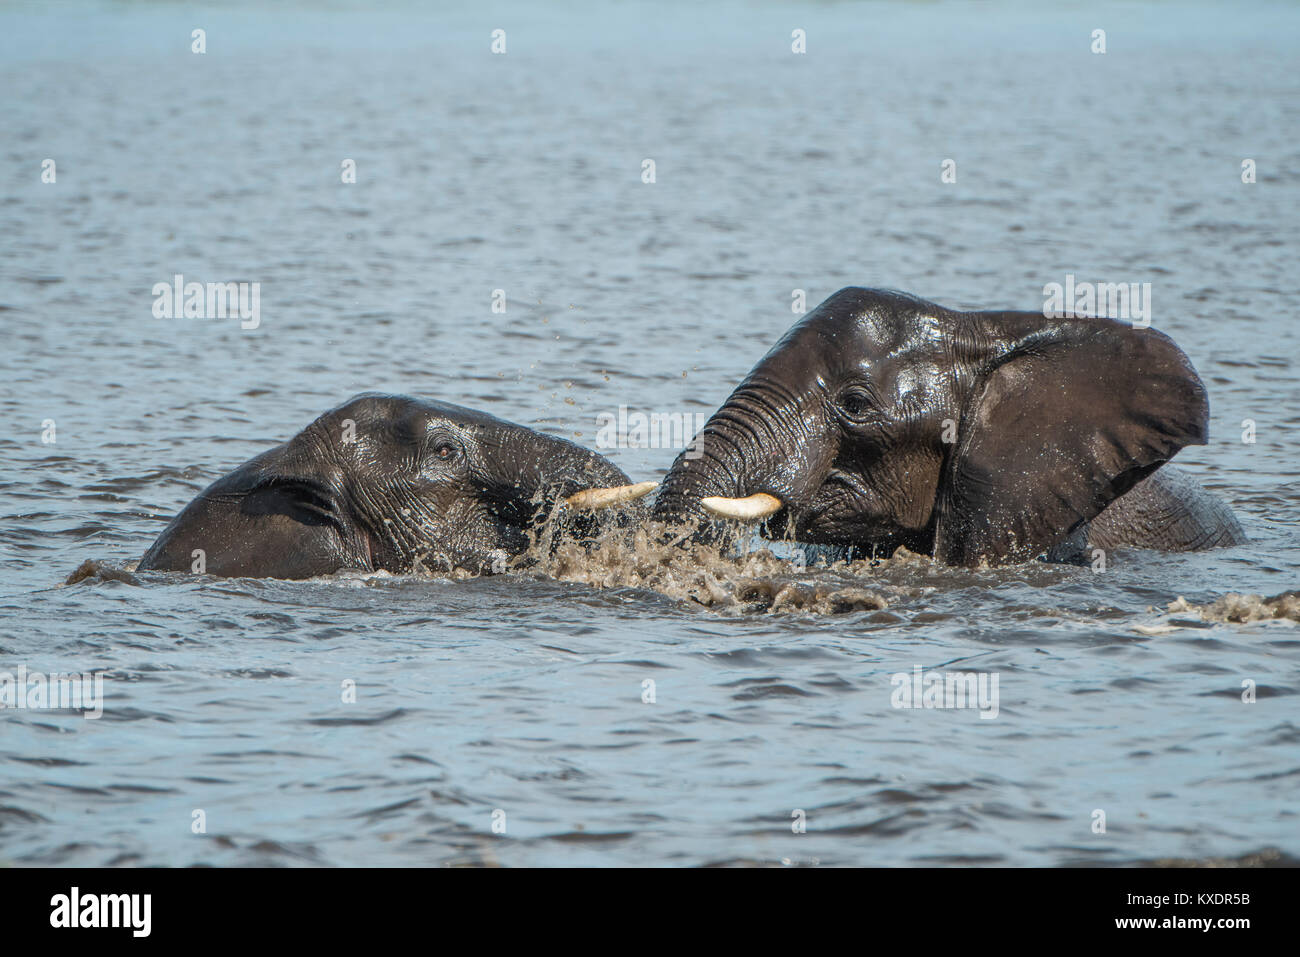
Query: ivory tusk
(757, 506)
(592, 498)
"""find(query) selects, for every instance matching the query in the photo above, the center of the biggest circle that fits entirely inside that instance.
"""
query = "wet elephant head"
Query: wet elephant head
(882, 420)
(387, 482)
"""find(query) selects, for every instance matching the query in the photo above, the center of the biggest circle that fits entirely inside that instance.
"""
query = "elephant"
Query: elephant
(389, 482)
(882, 420)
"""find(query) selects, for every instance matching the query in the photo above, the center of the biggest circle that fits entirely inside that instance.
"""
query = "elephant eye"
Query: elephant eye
(443, 447)
(855, 401)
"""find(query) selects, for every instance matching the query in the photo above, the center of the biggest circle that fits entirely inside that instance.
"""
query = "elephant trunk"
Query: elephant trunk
(746, 464)
(712, 466)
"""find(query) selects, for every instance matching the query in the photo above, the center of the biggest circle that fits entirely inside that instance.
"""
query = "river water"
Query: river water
(595, 715)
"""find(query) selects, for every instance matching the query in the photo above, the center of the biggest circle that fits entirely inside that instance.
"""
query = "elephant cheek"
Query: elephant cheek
(467, 538)
(487, 552)
(915, 482)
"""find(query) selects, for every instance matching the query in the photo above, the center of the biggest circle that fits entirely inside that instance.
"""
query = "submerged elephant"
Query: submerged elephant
(882, 420)
(393, 483)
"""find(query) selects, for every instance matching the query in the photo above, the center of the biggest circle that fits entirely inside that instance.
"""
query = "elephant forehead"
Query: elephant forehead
(885, 347)
(906, 359)
(892, 334)
(404, 417)
(917, 379)
(899, 357)
(370, 435)
(869, 332)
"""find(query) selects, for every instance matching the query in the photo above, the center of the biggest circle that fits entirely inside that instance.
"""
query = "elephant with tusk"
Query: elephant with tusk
(882, 420)
(393, 483)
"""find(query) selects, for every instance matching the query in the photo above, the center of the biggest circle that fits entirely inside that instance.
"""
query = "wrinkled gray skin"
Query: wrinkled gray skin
(1057, 428)
(431, 482)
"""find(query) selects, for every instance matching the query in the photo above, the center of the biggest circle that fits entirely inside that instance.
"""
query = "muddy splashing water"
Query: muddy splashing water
(733, 578)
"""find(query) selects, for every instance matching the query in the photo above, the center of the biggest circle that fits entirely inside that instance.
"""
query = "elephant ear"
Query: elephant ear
(1054, 429)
